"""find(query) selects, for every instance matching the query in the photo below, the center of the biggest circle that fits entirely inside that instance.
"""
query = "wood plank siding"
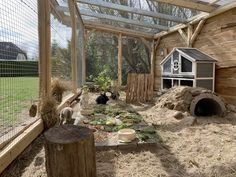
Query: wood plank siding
(218, 39)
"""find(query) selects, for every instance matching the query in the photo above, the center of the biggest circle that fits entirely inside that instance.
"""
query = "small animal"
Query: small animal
(115, 95)
(102, 99)
(33, 110)
(65, 116)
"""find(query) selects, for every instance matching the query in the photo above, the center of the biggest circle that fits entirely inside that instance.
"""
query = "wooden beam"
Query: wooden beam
(116, 30)
(72, 9)
(197, 31)
(58, 14)
(132, 10)
(12, 150)
(213, 1)
(183, 35)
(189, 4)
(153, 53)
(146, 43)
(123, 20)
(79, 17)
(120, 60)
(117, 19)
(190, 33)
(88, 33)
(197, 18)
(44, 48)
(81, 64)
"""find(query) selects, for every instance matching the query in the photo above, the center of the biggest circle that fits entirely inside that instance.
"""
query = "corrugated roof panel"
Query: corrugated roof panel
(196, 54)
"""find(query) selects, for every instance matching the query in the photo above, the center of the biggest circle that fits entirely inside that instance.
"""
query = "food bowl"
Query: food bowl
(126, 135)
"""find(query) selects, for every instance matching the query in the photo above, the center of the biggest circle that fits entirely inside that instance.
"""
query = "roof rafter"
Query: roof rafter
(92, 25)
(189, 4)
(197, 18)
(116, 30)
(133, 10)
(213, 1)
(117, 19)
(123, 20)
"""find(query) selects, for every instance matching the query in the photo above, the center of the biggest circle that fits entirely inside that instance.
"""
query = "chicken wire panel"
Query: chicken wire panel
(136, 56)
(19, 85)
(60, 49)
(101, 55)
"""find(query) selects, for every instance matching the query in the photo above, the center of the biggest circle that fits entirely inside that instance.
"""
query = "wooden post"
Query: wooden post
(81, 55)
(152, 57)
(190, 33)
(197, 31)
(44, 47)
(120, 60)
(183, 35)
(70, 152)
(72, 9)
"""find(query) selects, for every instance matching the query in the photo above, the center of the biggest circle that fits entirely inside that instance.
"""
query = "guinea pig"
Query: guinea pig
(65, 115)
(102, 99)
(33, 110)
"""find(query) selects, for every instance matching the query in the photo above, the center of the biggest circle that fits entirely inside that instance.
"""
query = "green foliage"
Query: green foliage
(61, 61)
(101, 50)
(16, 95)
(18, 68)
(103, 79)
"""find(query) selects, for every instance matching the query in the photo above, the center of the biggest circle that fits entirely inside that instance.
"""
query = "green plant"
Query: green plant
(102, 80)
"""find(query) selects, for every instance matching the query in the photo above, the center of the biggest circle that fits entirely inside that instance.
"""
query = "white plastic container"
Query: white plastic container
(126, 135)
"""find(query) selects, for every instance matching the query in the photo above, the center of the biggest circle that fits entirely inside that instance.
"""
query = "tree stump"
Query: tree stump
(70, 152)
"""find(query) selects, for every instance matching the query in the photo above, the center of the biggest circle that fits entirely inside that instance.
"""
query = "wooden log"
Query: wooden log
(70, 152)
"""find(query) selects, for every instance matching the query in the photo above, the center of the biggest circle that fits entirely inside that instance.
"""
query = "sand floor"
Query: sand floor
(205, 149)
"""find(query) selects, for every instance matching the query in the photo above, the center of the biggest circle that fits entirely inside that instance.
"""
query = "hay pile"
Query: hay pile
(58, 87)
(48, 111)
(179, 98)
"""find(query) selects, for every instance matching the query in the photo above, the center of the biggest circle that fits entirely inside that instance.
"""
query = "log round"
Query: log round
(70, 152)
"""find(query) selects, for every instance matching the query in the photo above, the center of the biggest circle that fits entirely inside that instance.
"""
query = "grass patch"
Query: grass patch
(16, 95)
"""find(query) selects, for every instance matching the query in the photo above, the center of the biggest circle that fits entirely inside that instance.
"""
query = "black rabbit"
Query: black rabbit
(102, 99)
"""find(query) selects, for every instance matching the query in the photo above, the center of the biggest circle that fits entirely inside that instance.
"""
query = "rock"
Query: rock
(188, 121)
(178, 115)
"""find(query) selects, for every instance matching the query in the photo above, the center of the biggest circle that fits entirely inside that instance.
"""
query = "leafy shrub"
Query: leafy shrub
(102, 80)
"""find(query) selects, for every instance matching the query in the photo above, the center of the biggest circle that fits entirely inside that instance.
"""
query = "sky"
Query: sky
(19, 24)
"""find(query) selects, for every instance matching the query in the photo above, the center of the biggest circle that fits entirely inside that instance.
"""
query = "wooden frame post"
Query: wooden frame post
(190, 33)
(197, 31)
(120, 60)
(155, 44)
(81, 64)
(44, 48)
(71, 5)
(183, 35)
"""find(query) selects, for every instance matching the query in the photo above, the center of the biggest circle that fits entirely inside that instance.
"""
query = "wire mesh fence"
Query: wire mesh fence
(18, 64)
(60, 48)
(101, 54)
(136, 56)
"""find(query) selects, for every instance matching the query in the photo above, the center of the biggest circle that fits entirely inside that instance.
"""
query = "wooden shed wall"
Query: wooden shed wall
(218, 39)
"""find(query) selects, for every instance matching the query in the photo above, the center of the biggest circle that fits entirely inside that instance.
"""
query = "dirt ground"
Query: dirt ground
(205, 149)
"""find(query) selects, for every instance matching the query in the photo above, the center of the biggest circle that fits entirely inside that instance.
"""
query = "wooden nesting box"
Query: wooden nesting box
(188, 67)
